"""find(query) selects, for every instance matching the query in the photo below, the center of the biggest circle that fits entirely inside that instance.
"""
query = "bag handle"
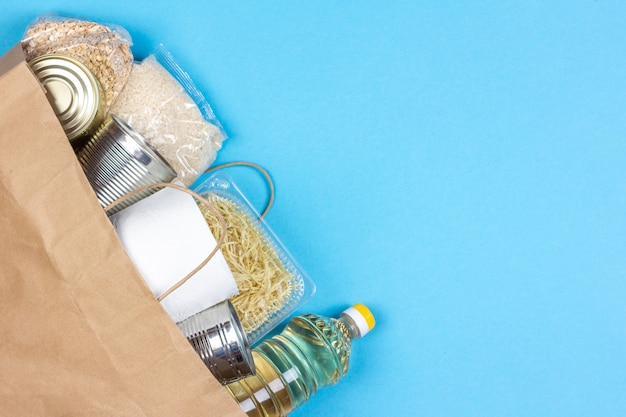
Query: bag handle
(197, 197)
(211, 206)
(259, 168)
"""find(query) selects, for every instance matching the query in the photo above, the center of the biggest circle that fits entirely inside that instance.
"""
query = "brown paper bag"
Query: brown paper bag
(80, 332)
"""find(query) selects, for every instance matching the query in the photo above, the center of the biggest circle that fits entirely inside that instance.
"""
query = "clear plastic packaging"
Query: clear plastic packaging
(104, 49)
(256, 303)
(161, 102)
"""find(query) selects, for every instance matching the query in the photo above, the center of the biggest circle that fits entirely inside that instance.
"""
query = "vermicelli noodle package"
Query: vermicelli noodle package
(271, 284)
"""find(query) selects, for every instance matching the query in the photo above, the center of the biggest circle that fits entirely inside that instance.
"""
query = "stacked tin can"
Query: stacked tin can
(115, 158)
(73, 92)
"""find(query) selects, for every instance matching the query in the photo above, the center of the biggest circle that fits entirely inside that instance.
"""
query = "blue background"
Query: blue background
(457, 167)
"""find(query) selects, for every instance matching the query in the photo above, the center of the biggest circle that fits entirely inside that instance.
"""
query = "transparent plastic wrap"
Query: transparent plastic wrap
(104, 49)
(272, 285)
(161, 102)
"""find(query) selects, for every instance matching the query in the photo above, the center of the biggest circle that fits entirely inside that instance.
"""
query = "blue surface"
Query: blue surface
(458, 168)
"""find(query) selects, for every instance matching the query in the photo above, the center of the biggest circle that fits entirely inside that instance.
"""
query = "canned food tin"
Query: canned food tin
(73, 91)
(117, 160)
(218, 338)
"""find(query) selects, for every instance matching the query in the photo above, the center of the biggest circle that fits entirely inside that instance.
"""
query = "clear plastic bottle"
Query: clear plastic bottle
(312, 352)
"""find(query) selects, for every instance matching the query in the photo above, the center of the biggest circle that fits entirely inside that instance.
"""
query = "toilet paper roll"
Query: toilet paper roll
(166, 237)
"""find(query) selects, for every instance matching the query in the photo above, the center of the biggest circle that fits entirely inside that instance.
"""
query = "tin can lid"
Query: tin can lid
(73, 92)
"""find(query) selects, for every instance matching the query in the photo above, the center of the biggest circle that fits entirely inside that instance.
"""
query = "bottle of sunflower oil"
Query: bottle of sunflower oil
(312, 352)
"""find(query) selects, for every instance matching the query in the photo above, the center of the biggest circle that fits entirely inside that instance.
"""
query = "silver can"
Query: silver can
(217, 336)
(74, 93)
(117, 160)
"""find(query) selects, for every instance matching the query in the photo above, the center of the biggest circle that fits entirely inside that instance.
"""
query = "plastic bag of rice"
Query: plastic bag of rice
(161, 102)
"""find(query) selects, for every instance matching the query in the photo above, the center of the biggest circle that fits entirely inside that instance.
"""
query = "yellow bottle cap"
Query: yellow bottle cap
(362, 317)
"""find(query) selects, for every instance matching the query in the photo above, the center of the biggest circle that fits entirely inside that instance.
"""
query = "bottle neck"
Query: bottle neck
(353, 329)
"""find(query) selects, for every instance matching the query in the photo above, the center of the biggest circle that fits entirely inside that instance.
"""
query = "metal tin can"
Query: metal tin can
(74, 93)
(218, 338)
(117, 160)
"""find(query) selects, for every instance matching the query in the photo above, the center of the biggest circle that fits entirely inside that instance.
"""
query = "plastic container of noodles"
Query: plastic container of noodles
(272, 285)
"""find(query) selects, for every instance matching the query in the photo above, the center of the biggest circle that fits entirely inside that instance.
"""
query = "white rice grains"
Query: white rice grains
(157, 106)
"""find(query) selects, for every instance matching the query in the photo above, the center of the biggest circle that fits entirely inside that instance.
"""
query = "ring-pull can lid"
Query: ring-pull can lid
(73, 91)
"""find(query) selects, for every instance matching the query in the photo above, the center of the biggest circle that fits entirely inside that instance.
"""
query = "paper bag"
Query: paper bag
(80, 332)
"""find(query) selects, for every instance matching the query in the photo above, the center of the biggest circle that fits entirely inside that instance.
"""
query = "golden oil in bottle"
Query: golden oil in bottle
(312, 352)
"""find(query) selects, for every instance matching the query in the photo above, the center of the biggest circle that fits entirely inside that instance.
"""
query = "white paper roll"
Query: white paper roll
(166, 236)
